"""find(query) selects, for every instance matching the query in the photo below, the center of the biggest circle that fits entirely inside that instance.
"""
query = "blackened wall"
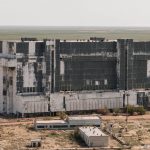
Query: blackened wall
(140, 56)
(89, 73)
(56, 71)
(86, 47)
(73, 66)
(87, 66)
(122, 64)
(130, 61)
(39, 48)
(25, 60)
(22, 47)
(133, 57)
(1, 46)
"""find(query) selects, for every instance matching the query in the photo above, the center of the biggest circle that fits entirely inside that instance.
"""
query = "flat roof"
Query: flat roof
(83, 117)
(92, 131)
(86, 40)
(50, 122)
(36, 140)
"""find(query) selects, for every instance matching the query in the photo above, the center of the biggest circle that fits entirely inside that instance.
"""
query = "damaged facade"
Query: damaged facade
(60, 75)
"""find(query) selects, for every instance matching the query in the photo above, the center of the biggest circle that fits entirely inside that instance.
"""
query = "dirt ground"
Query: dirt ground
(15, 134)
(138, 130)
(16, 137)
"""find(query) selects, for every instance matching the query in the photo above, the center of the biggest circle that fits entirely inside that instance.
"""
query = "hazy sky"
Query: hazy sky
(75, 12)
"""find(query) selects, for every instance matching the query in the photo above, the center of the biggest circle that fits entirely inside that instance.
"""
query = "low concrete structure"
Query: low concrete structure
(83, 121)
(94, 137)
(36, 143)
(70, 122)
(51, 124)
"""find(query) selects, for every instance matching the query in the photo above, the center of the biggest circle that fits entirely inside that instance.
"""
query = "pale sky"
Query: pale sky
(75, 12)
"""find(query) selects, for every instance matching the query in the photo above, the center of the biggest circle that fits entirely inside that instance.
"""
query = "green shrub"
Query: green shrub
(139, 110)
(131, 109)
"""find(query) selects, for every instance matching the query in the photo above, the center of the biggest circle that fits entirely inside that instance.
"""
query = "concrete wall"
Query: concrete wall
(51, 66)
(31, 104)
(30, 69)
(101, 141)
(84, 122)
(1, 88)
(94, 140)
(85, 101)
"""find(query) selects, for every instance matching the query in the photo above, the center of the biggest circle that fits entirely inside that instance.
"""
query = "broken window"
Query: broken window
(4, 79)
(148, 68)
(41, 127)
(4, 92)
(62, 78)
(34, 89)
(11, 48)
(105, 82)
(88, 82)
(39, 66)
(64, 102)
(10, 80)
(62, 68)
(97, 83)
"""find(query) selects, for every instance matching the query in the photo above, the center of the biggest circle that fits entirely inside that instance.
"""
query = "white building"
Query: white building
(90, 120)
(94, 137)
(50, 124)
(70, 122)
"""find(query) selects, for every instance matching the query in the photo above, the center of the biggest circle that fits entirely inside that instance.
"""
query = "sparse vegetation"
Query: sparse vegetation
(62, 115)
(139, 110)
(116, 111)
(73, 33)
(103, 111)
(53, 134)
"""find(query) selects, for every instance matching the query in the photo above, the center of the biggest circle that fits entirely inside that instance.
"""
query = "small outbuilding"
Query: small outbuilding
(36, 143)
(94, 137)
(84, 120)
(51, 124)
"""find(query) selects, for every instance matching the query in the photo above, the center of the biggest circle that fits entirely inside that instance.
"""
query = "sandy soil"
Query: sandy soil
(16, 133)
(18, 136)
(138, 129)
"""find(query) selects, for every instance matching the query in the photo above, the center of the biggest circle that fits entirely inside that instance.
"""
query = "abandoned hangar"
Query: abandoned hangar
(72, 75)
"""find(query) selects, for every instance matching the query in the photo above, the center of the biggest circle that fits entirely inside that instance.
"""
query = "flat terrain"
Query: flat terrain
(17, 133)
(111, 33)
(17, 137)
(138, 130)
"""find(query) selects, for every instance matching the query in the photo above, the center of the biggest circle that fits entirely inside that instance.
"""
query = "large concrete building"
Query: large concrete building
(61, 75)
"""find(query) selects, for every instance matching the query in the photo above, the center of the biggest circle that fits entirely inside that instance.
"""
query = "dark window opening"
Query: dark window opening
(64, 102)
(4, 92)
(4, 80)
(48, 107)
(60, 126)
(11, 81)
(40, 127)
